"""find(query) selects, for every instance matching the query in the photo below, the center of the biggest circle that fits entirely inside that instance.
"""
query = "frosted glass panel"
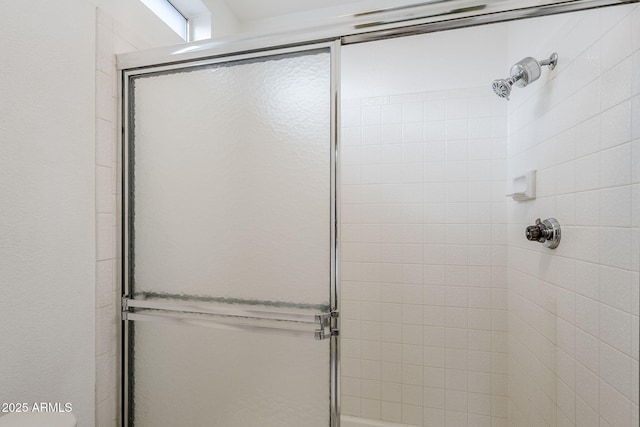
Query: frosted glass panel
(231, 181)
(199, 377)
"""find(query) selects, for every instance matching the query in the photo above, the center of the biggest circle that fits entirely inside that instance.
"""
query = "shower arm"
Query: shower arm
(515, 77)
(550, 61)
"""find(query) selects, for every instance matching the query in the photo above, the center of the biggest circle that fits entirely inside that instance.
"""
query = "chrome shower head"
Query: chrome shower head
(522, 73)
(502, 87)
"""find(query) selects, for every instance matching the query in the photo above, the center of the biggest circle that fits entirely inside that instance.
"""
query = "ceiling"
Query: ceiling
(252, 10)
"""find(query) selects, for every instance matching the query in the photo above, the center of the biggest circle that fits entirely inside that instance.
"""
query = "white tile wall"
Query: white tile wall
(573, 312)
(425, 226)
(111, 38)
(106, 220)
(424, 321)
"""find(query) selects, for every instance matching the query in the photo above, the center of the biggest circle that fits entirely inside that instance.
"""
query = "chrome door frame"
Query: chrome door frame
(333, 321)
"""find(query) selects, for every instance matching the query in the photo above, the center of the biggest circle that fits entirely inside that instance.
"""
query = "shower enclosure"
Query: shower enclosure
(450, 316)
(277, 274)
(230, 286)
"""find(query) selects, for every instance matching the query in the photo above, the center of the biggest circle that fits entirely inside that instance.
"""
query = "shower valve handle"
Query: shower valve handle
(533, 232)
(546, 232)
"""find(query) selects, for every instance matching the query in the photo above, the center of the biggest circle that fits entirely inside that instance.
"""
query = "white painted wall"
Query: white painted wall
(47, 197)
(47, 205)
(138, 19)
(223, 21)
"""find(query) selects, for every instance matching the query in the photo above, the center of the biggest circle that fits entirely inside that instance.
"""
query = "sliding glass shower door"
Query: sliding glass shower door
(229, 306)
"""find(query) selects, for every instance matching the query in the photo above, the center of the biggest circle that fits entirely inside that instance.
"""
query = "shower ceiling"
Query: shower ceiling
(251, 10)
(353, 17)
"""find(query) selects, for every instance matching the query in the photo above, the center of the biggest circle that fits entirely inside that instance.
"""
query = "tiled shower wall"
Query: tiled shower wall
(106, 220)
(111, 38)
(573, 311)
(424, 255)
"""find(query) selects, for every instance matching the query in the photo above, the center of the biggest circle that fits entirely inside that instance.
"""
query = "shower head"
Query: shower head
(522, 73)
(502, 87)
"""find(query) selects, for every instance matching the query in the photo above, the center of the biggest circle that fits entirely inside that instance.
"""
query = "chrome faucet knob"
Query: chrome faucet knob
(533, 233)
(546, 232)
